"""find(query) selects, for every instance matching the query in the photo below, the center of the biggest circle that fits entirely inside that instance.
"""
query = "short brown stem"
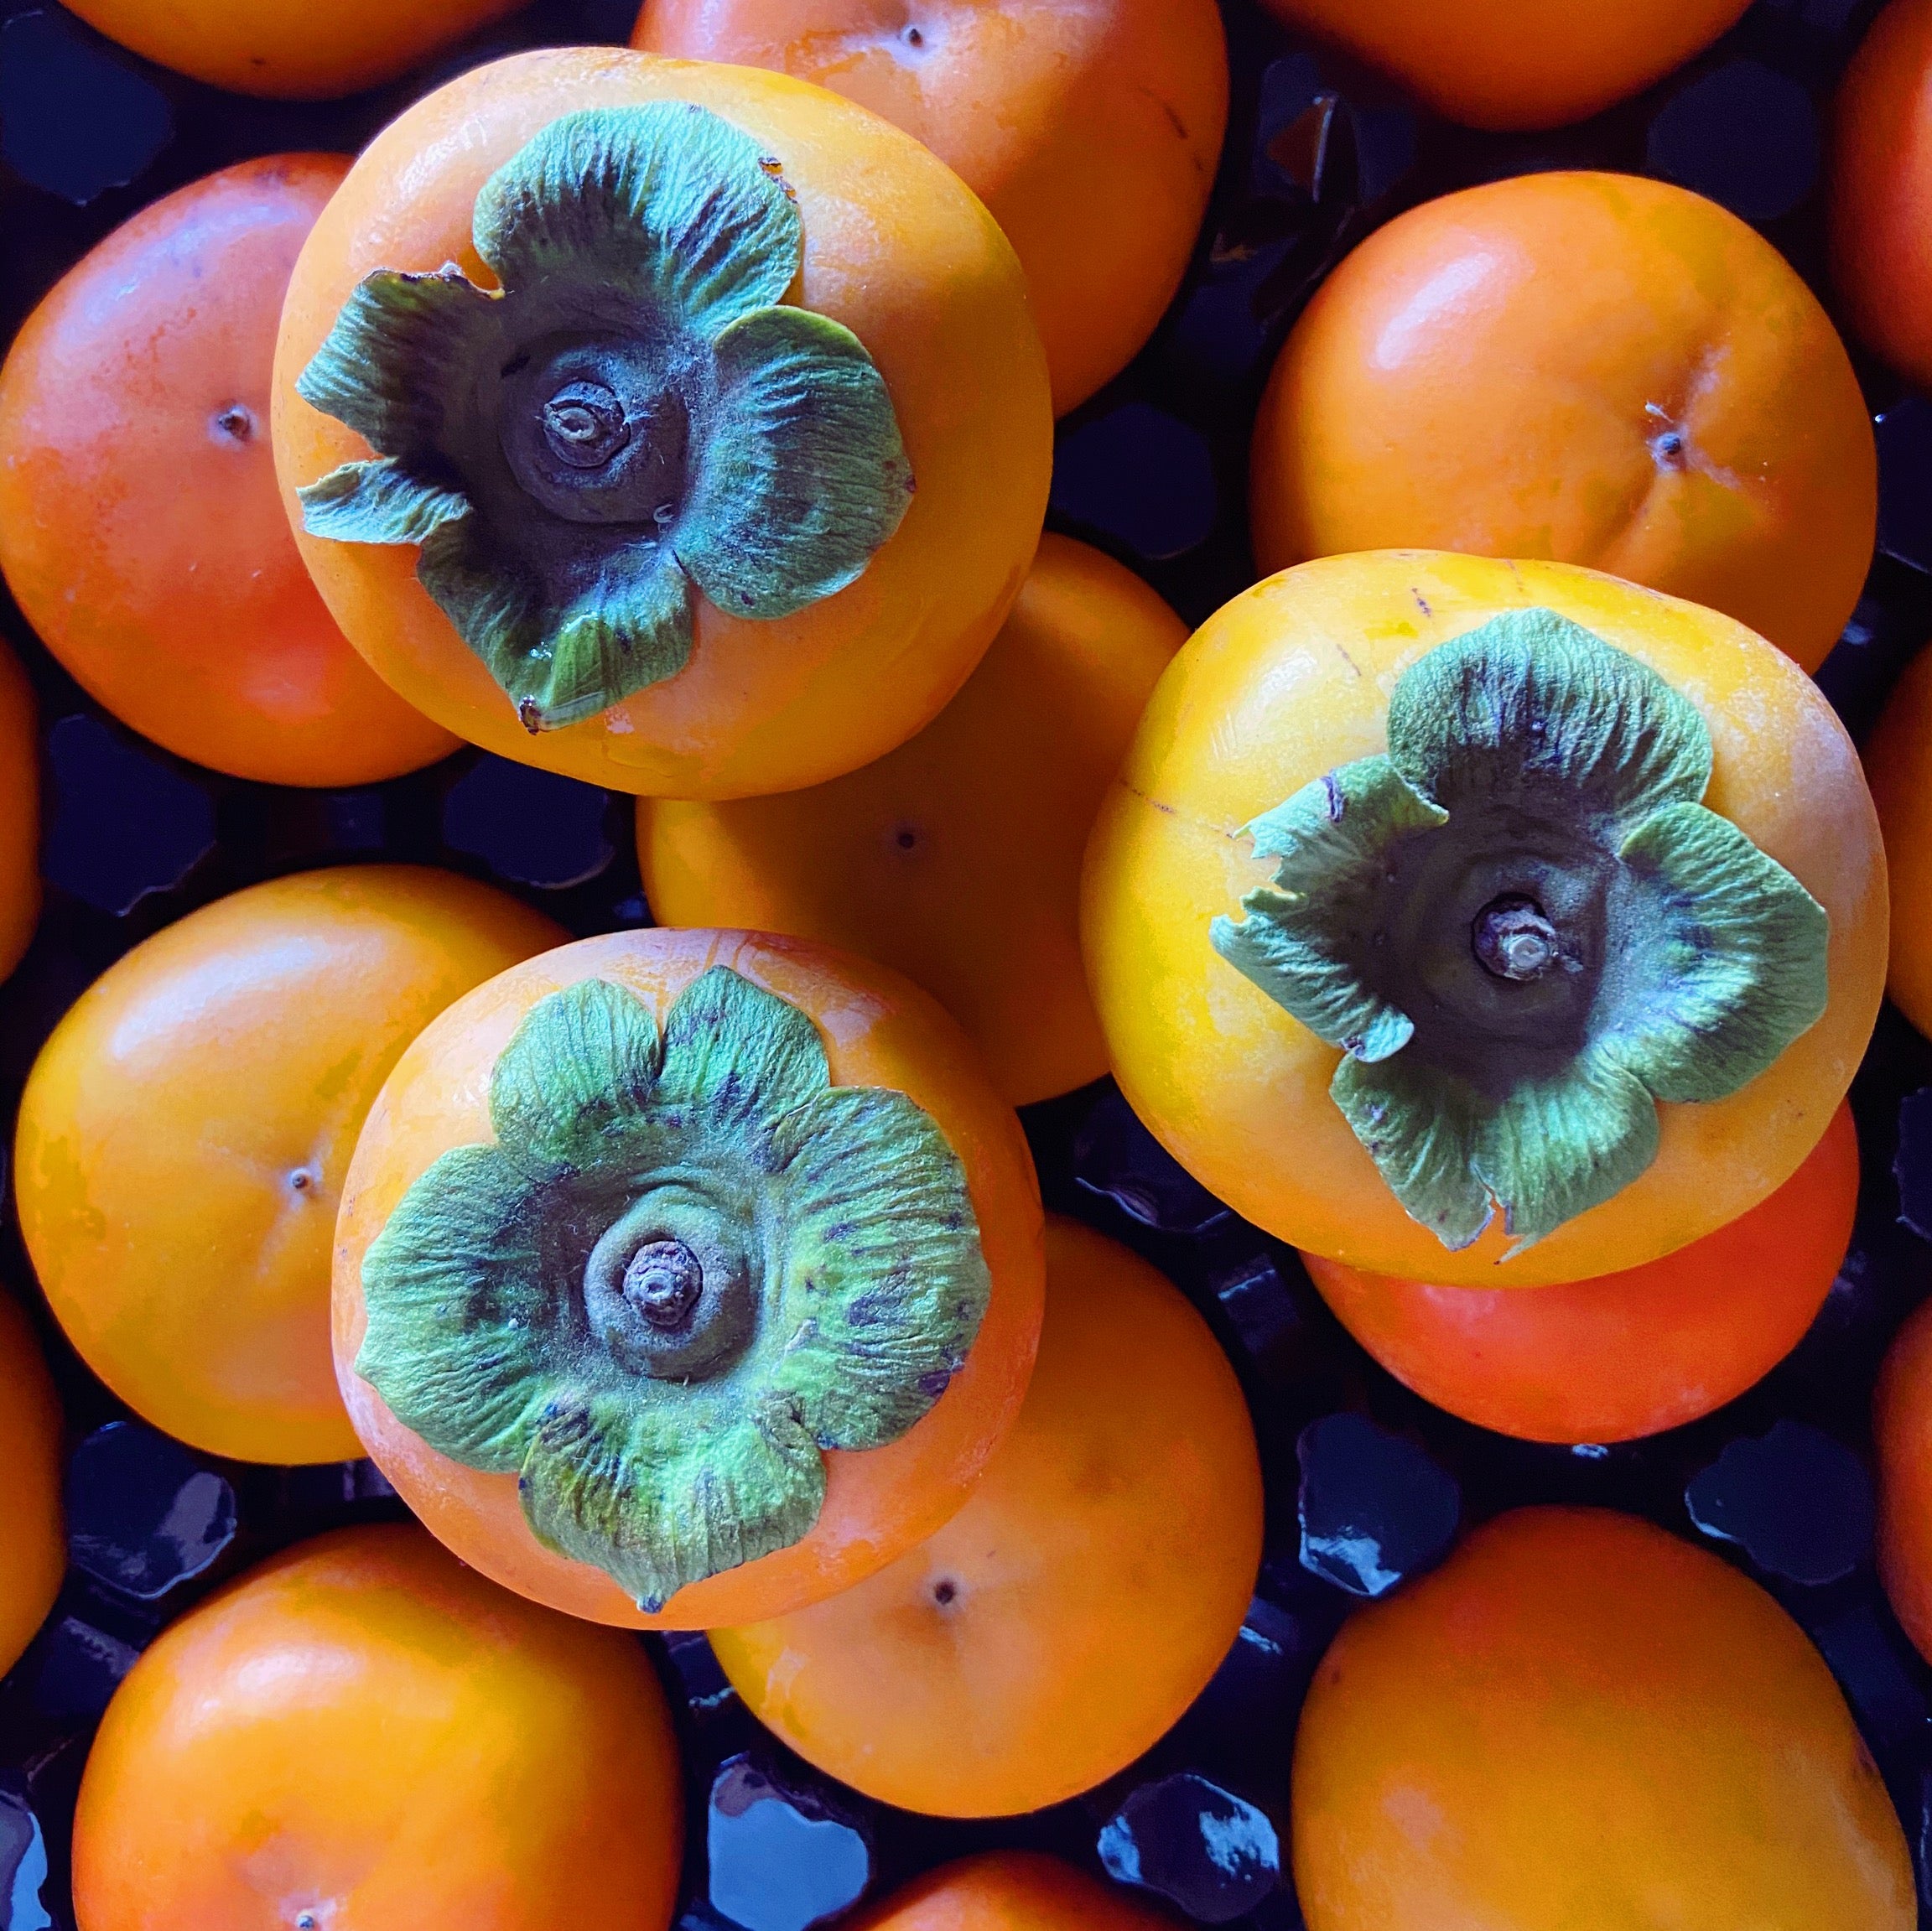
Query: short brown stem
(664, 1282)
(1513, 940)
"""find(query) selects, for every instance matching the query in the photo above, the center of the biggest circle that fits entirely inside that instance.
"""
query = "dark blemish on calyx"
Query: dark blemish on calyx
(1338, 804)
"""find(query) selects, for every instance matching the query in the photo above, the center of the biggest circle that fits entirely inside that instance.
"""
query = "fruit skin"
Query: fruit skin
(1880, 190)
(1008, 1891)
(1627, 1354)
(290, 49)
(1058, 1625)
(1517, 63)
(185, 1131)
(19, 811)
(1091, 132)
(32, 1543)
(1291, 678)
(996, 795)
(894, 250)
(1579, 1720)
(1902, 1436)
(144, 537)
(362, 1730)
(1480, 375)
(878, 1029)
(1898, 763)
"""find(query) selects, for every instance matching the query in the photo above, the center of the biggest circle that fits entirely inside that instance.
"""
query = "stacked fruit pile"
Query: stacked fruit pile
(1239, 1273)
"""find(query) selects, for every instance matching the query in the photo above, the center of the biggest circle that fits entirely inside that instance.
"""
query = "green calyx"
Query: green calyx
(636, 416)
(1524, 930)
(688, 1265)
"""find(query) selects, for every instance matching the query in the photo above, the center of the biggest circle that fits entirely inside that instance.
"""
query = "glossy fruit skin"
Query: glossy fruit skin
(141, 530)
(1291, 679)
(1579, 1720)
(1623, 1355)
(956, 858)
(1482, 374)
(1898, 763)
(1058, 1625)
(19, 811)
(185, 1131)
(1008, 1891)
(290, 49)
(1901, 1435)
(896, 251)
(878, 1029)
(1881, 190)
(362, 1730)
(1517, 63)
(1091, 132)
(32, 1543)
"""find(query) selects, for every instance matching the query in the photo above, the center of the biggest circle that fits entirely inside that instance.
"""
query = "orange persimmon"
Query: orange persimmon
(956, 858)
(722, 477)
(1659, 836)
(1591, 367)
(33, 1545)
(1092, 132)
(1902, 1435)
(1517, 63)
(1898, 763)
(1008, 1891)
(362, 1732)
(19, 811)
(141, 530)
(684, 1278)
(185, 1134)
(1624, 1354)
(1881, 188)
(1579, 1720)
(1069, 1614)
(290, 49)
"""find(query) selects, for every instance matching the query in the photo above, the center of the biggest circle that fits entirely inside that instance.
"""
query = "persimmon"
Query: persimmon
(140, 529)
(19, 811)
(956, 858)
(1092, 132)
(683, 1277)
(185, 1131)
(630, 514)
(33, 1544)
(1517, 63)
(1008, 1891)
(1880, 190)
(1626, 1354)
(1587, 1023)
(1898, 762)
(290, 49)
(360, 1731)
(1589, 367)
(1579, 1720)
(1902, 1433)
(1062, 1622)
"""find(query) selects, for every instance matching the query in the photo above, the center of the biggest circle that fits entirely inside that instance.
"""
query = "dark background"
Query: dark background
(1152, 469)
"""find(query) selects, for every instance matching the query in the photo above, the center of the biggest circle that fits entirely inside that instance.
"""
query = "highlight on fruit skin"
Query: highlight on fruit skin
(686, 1277)
(1611, 1008)
(622, 442)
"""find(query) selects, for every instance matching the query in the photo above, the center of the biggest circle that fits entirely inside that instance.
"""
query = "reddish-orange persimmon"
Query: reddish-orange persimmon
(33, 1546)
(1062, 1621)
(363, 1734)
(1008, 1891)
(1090, 131)
(19, 811)
(1881, 188)
(1624, 1354)
(1518, 63)
(874, 1030)
(1578, 1721)
(1591, 368)
(956, 858)
(141, 530)
(290, 49)
(1902, 1430)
